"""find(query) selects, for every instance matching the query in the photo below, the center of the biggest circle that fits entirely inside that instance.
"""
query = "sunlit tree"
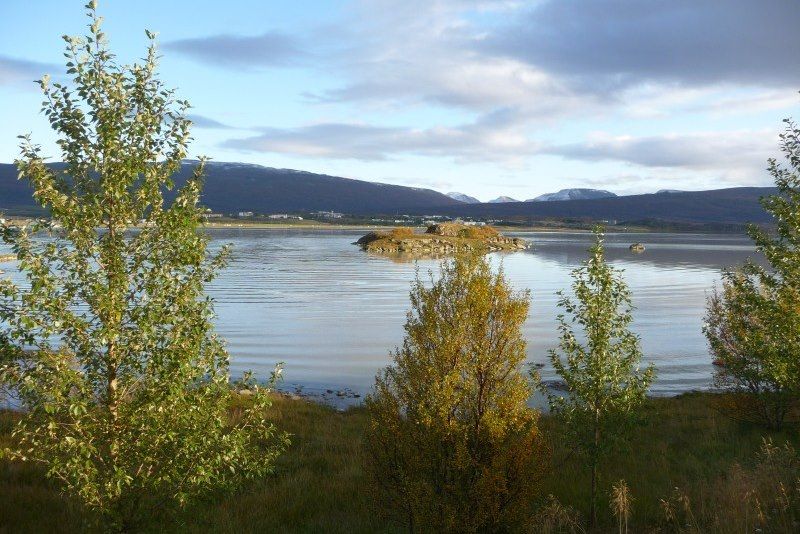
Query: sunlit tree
(753, 322)
(109, 345)
(452, 444)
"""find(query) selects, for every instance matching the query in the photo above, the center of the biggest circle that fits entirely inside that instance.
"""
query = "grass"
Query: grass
(320, 485)
(686, 444)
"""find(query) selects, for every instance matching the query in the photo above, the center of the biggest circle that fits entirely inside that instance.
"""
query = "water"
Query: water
(332, 313)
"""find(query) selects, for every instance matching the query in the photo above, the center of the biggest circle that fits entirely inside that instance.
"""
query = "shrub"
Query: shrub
(752, 324)
(478, 232)
(402, 232)
(452, 444)
(736, 336)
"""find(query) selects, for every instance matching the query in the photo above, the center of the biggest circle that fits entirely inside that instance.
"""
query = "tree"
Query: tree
(753, 323)
(125, 386)
(738, 332)
(601, 374)
(451, 441)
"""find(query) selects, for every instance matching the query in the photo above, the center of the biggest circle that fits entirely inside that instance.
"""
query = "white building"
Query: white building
(329, 214)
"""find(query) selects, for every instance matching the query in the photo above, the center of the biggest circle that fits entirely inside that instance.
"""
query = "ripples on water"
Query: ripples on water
(332, 313)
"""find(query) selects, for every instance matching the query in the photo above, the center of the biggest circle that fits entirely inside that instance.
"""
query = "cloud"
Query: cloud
(423, 53)
(489, 139)
(737, 155)
(602, 45)
(505, 75)
(269, 49)
(205, 122)
(15, 71)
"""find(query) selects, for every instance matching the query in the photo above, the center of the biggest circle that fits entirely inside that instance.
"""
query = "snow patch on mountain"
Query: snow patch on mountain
(573, 194)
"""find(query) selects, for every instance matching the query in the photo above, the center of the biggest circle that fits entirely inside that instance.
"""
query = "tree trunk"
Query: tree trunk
(593, 504)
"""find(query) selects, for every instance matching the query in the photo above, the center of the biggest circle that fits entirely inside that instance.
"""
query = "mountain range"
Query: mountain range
(234, 187)
(461, 197)
(732, 206)
(573, 194)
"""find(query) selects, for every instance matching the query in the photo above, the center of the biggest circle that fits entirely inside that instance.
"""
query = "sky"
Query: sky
(483, 97)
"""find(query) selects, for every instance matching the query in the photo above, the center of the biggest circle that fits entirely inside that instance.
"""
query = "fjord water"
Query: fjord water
(332, 313)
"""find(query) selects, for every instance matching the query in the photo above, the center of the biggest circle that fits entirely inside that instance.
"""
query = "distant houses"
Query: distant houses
(251, 215)
(329, 214)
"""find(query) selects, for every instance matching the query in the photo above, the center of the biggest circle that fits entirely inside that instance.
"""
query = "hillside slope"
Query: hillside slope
(233, 187)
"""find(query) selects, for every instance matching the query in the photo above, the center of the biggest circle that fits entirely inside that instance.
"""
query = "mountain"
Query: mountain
(461, 197)
(502, 200)
(234, 187)
(733, 206)
(573, 194)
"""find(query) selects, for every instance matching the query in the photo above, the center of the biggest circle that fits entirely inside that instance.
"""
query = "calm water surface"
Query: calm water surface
(332, 313)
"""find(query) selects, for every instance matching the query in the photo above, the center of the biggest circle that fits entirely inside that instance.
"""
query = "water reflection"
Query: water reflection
(332, 312)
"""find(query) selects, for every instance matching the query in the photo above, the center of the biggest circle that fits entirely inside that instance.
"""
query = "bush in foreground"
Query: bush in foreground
(451, 442)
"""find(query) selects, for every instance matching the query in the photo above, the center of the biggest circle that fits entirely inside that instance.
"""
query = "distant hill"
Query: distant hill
(461, 197)
(233, 187)
(725, 206)
(502, 200)
(573, 194)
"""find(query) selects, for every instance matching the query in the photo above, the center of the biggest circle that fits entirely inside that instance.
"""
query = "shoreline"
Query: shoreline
(506, 229)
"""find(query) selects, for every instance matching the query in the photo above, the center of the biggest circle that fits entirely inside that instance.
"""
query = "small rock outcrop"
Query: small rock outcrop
(636, 247)
(440, 239)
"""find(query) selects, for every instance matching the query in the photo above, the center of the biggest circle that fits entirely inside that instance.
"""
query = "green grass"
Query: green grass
(686, 443)
(320, 485)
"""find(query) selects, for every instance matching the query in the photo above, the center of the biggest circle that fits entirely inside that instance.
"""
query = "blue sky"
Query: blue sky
(485, 97)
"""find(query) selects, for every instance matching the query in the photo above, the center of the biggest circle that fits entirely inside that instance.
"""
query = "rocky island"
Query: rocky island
(440, 239)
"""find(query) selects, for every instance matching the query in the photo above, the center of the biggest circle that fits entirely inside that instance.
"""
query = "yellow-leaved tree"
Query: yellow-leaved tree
(452, 444)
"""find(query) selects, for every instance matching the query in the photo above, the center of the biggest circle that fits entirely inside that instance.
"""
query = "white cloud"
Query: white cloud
(736, 156)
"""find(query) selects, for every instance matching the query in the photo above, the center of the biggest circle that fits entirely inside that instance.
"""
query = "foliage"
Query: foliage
(463, 231)
(621, 501)
(124, 384)
(762, 498)
(452, 444)
(478, 232)
(753, 323)
(605, 386)
(321, 485)
(554, 518)
(738, 336)
(401, 232)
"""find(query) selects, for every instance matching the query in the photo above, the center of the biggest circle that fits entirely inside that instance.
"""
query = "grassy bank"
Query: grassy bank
(321, 487)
